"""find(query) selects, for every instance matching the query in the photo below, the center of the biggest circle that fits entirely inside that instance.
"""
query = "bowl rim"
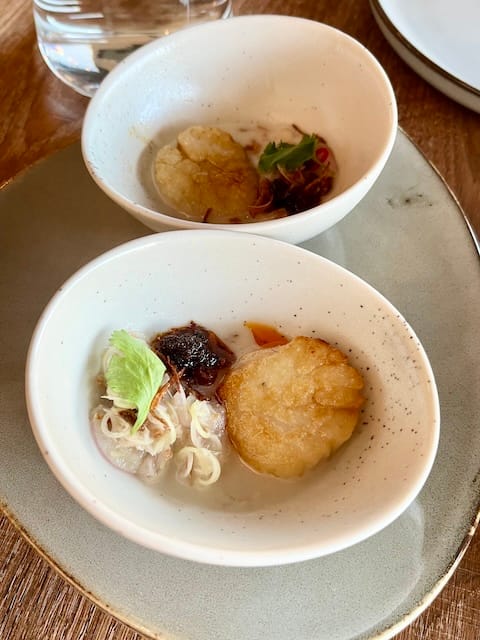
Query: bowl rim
(154, 216)
(173, 546)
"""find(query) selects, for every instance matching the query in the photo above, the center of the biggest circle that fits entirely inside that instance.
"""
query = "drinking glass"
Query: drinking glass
(82, 40)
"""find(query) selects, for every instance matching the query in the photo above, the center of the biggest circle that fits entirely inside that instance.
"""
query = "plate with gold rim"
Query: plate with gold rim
(439, 40)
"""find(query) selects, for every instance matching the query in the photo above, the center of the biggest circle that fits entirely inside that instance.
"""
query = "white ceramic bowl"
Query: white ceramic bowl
(252, 69)
(222, 279)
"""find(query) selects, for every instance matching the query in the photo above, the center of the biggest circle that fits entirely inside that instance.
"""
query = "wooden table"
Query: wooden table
(39, 115)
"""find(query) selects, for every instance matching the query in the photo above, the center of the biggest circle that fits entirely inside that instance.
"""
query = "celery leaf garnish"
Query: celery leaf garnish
(133, 375)
(289, 156)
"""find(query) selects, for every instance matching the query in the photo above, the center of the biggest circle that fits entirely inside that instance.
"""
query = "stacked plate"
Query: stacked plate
(439, 40)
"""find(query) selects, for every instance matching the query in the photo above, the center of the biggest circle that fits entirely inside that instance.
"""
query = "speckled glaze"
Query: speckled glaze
(222, 279)
(409, 240)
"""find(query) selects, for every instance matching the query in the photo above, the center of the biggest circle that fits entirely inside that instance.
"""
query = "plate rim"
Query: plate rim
(380, 14)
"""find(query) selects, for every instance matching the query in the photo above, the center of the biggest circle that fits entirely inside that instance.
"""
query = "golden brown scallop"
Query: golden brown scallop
(207, 176)
(290, 406)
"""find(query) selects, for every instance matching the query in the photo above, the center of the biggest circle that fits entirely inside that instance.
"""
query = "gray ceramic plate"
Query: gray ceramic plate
(408, 239)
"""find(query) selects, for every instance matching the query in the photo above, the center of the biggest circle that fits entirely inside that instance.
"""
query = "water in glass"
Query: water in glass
(82, 40)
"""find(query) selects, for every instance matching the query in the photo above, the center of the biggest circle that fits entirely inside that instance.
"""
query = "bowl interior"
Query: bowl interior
(267, 70)
(221, 280)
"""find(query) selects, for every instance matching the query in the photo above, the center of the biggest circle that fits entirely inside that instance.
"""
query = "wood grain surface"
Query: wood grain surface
(38, 116)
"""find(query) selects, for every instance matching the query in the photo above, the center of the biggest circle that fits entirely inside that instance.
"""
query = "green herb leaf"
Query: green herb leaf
(289, 156)
(133, 375)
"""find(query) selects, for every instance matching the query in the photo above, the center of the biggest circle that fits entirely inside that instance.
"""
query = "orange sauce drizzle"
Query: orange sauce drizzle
(265, 335)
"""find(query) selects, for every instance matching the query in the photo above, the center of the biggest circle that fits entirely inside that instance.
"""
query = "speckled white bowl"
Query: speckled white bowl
(250, 69)
(222, 279)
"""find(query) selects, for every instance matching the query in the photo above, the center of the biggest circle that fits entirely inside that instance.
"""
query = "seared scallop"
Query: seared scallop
(207, 176)
(291, 406)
